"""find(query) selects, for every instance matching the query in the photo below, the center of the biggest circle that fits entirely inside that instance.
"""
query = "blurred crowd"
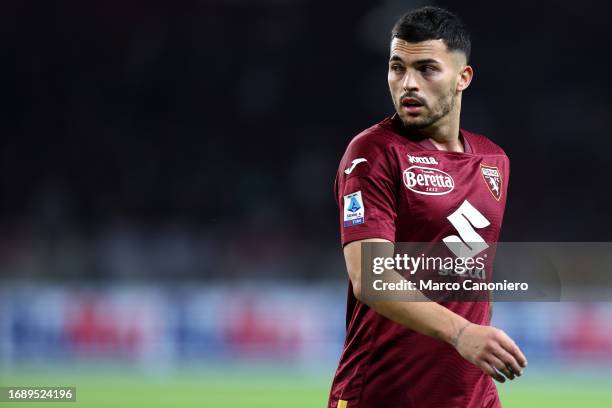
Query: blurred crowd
(200, 139)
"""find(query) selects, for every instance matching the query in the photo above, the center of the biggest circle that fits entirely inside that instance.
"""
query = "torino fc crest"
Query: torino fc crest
(492, 178)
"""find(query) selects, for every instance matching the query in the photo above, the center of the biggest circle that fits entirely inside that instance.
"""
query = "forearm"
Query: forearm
(416, 312)
(419, 313)
(426, 317)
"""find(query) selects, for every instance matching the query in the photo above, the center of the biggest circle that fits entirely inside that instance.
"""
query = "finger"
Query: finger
(510, 346)
(508, 360)
(491, 371)
(501, 367)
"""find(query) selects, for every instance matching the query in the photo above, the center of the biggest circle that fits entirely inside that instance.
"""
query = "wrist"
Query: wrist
(454, 341)
(454, 328)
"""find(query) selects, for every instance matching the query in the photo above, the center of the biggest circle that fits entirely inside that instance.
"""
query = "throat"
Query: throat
(455, 145)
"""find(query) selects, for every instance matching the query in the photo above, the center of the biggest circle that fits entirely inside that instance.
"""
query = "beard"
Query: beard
(442, 107)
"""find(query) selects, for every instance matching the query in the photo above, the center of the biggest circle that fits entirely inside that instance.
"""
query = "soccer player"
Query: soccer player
(422, 354)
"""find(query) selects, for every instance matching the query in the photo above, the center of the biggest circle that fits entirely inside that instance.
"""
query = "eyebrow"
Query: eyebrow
(427, 61)
(418, 62)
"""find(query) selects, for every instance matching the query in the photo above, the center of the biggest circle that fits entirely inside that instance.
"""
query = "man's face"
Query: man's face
(425, 80)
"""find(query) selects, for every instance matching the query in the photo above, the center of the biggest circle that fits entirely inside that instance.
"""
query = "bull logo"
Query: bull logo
(493, 180)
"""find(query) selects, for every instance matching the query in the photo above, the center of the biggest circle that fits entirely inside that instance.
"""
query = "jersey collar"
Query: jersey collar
(425, 142)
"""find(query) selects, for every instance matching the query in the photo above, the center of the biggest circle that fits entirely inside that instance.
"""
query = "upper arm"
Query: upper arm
(366, 190)
(352, 257)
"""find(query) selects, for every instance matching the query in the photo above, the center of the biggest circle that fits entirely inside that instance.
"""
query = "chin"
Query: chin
(413, 123)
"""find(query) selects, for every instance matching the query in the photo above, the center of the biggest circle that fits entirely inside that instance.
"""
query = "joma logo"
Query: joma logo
(422, 160)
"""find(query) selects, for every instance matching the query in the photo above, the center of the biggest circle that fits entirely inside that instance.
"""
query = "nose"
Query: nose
(410, 84)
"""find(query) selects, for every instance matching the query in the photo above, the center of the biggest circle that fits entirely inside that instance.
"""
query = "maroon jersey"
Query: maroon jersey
(392, 186)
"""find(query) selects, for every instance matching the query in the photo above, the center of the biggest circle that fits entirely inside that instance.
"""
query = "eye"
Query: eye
(396, 68)
(428, 69)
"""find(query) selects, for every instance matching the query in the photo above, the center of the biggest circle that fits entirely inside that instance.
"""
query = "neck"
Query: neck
(445, 135)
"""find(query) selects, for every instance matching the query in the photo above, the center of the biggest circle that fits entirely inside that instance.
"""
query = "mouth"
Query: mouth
(411, 105)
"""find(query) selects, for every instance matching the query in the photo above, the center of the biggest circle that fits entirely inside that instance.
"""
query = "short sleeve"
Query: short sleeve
(366, 191)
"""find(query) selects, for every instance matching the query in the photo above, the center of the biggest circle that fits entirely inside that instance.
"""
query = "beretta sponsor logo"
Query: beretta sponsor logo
(428, 181)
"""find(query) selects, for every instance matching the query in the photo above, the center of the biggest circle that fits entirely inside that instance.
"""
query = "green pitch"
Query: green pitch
(269, 388)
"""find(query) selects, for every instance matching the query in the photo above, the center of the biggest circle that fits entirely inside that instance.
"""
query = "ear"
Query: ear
(465, 78)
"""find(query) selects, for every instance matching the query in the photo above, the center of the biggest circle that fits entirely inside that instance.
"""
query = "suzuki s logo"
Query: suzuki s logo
(428, 181)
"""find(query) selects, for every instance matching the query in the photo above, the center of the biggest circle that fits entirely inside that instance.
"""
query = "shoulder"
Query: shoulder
(373, 140)
(372, 147)
(483, 145)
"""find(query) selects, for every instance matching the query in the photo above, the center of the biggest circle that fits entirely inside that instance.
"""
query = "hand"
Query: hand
(490, 349)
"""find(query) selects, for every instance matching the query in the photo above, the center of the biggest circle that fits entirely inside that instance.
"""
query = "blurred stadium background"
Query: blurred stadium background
(169, 232)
